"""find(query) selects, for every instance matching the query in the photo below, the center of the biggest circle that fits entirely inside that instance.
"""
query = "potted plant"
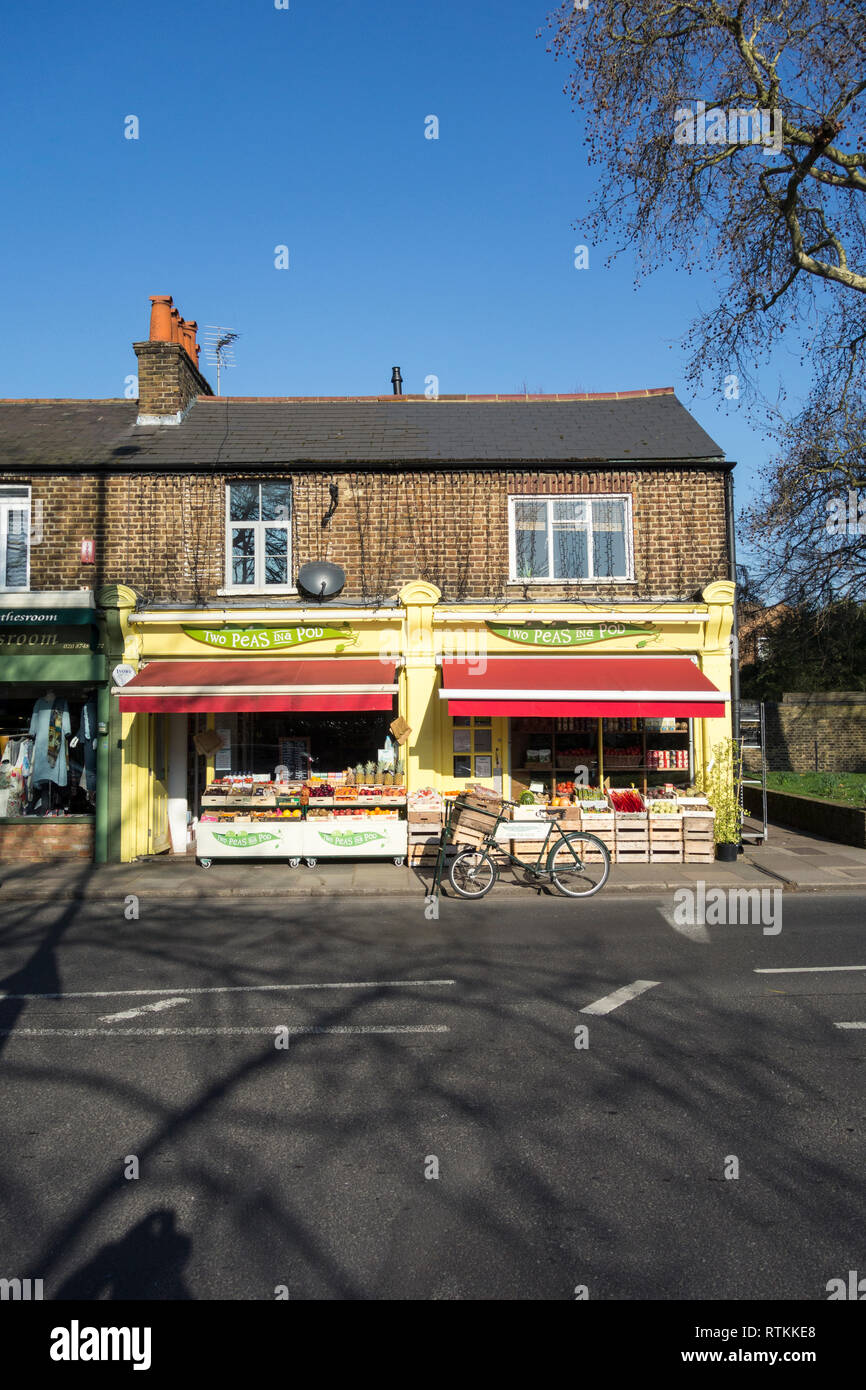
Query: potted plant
(721, 786)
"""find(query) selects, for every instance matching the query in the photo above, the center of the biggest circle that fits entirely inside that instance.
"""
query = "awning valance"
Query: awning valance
(219, 687)
(645, 686)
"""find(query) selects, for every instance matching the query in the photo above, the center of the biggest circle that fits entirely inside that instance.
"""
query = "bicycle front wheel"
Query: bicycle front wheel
(579, 864)
(472, 873)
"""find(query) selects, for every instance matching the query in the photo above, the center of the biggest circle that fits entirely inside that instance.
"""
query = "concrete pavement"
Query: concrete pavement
(790, 859)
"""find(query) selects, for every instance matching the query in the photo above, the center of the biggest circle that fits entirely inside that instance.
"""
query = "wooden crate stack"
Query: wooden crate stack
(666, 838)
(632, 837)
(699, 845)
(426, 816)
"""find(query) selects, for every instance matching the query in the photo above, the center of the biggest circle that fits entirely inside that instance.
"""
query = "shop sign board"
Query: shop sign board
(561, 635)
(351, 838)
(46, 617)
(239, 839)
(123, 674)
(265, 639)
(48, 639)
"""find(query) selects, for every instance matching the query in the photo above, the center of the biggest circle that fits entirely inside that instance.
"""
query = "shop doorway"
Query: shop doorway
(160, 838)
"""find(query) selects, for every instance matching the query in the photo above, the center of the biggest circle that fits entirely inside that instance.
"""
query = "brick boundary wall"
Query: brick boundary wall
(829, 820)
(46, 840)
(825, 732)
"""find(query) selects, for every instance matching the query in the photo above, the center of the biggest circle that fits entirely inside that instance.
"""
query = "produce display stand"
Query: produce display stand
(288, 821)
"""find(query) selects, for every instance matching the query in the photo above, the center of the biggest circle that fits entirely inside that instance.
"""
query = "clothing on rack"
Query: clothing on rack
(86, 735)
(50, 725)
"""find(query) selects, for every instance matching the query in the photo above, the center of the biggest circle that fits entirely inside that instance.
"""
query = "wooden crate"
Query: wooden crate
(602, 833)
(632, 837)
(527, 850)
(666, 839)
(698, 839)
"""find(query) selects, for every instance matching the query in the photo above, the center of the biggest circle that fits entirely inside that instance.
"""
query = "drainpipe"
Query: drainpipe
(735, 643)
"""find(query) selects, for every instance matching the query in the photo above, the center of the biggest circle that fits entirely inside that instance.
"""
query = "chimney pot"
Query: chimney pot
(397, 381)
(160, 318)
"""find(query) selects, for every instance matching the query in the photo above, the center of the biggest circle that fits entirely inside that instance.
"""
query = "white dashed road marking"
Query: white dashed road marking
(619, 996)
(232, 989)
(210, 1032)
(143, 1009)
(804, 969)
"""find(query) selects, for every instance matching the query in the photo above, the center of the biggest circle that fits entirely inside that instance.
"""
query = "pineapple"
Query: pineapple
(369, 772)
(381, 768)
(349, 777)
(359, 774)
(389, 779)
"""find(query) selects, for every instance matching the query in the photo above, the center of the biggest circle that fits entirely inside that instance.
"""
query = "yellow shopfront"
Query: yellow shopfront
(437, 694)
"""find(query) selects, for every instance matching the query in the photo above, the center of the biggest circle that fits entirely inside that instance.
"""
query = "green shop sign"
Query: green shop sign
(236, 840)
(560, 635)
(269, 639)
(354, 837)
(46, 617)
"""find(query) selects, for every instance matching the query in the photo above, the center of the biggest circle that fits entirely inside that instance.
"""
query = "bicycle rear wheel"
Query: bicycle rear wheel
(579, 864)
(472, 873)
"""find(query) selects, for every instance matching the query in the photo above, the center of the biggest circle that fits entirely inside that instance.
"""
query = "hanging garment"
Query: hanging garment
(50, 726)
(11, 787)
(87, 738)
(24, 764)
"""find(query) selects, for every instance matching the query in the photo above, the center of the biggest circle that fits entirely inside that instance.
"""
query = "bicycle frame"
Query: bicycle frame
(490, 843)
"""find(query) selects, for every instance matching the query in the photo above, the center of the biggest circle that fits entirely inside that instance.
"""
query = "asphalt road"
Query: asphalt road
(418, 1045)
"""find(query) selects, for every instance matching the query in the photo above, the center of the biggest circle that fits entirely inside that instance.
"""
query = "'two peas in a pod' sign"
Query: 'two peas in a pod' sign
(561, 635)
(269, 639)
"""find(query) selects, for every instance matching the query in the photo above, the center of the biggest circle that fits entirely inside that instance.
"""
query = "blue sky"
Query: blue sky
(305, 127)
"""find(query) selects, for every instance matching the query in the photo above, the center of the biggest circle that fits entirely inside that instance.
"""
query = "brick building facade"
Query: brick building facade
(164, 534)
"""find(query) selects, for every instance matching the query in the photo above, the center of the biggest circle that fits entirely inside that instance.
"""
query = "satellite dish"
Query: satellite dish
(321, 580)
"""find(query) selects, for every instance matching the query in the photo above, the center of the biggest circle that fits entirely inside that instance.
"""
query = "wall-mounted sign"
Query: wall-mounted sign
(560, 635)
(123, 674)
(46, 617)
(268, 639)
(88, 556)
(47, 639)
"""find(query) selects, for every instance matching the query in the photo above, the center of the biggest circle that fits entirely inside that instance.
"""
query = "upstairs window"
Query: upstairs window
(14, 538)
(563, 539)
(259, 535)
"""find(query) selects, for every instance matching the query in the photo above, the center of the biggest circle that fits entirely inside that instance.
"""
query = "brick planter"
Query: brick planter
(32, 839)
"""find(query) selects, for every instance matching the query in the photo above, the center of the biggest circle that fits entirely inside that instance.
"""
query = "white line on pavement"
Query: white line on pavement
(804, 969)
(232, 989)
(143, 1009)
(619, 996)
(851, 1025)
(209, 1032)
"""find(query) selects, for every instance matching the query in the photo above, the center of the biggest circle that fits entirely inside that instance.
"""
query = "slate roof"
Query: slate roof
(637, 427)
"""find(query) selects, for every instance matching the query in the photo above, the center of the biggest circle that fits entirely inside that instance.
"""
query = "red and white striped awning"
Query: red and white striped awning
(645, 686)
(219, 687)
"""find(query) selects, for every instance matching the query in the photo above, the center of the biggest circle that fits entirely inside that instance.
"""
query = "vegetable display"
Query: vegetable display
(626, 801)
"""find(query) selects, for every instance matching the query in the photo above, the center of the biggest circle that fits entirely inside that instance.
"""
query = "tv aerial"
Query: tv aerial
(219, 348)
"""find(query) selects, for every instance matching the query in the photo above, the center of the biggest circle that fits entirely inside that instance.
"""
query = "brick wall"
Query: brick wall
(168, 380)
(46, 840)
(165, 534)
(825, 732)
